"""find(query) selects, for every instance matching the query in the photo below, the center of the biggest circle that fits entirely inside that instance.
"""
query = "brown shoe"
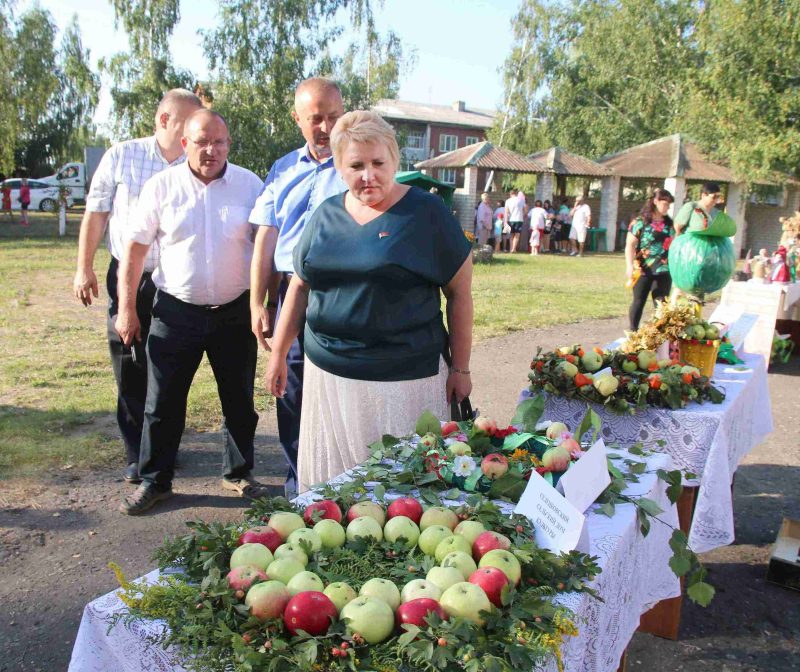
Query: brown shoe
(145, 497)
(247, 487)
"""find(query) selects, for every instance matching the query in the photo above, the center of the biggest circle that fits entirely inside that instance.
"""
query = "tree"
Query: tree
(9, 116)
(143, 74)
(55, 92)
(258, 54)
(600, 84)
(744, 103)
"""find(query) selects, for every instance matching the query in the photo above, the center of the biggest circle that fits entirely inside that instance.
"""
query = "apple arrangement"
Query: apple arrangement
(401, 528)
(254, 555)
(493, 582)
(304, 582)
(331, 534)
(418, 588)
(505, 561)
(494, 466)
(370, 618)
(267, 600)
(371, 509)
(286, 522)
(466, 600)
(381, 589)
(438, 515)
(340, 593)
(243, 576)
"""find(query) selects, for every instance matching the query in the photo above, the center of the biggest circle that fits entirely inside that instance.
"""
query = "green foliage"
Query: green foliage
(597, 77)
(51, 93)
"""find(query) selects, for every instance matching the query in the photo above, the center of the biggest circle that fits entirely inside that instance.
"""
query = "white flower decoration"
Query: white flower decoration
(464, 465)
(544, 424)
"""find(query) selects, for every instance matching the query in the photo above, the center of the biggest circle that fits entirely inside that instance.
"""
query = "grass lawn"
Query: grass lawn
(57, 394)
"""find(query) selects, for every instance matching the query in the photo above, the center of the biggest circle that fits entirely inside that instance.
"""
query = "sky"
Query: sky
(460, 44)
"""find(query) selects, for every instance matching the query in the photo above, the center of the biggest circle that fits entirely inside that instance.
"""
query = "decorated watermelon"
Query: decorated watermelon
(721, 224)
(701, 263)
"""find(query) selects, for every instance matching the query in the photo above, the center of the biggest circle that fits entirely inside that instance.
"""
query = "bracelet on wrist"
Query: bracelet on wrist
(464, 372)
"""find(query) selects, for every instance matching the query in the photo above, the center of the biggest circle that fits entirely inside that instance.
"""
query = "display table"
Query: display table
(635, 575)
(708, 440)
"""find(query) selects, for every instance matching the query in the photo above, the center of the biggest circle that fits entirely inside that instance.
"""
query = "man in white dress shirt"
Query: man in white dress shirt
(581, 221)
(197, 214)
(110, 206)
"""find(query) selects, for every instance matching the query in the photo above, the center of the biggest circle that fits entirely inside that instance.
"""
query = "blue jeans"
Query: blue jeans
(180, 334)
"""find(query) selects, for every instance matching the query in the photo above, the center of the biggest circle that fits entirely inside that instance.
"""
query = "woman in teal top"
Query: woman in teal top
(370, 268)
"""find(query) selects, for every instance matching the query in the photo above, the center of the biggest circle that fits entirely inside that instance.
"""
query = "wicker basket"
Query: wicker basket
(700, 355)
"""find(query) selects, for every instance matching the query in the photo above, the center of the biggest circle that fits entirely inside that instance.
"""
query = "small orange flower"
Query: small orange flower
(653, 366)
(519, 454)
(687, 378)
(655, 382)
(581, 380)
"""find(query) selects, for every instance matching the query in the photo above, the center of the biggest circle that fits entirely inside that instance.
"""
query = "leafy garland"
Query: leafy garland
(635, 381)
(213, 631)
(414, 476)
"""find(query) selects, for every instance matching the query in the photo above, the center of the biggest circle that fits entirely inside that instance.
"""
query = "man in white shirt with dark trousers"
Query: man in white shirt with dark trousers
(110, 207)
(197, 214)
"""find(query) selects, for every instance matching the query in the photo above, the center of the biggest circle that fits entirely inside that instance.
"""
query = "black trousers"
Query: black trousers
(131, 376)
(289, 406)
(179, 336)
(658, 285)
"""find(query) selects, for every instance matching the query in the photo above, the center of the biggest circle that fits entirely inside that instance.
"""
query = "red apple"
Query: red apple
(264, 535)
(242, 577)
(414, 612)
(405, 506)
(494, 465)
(322, 510)
(493, 581)
(488, 541)
(311, 611)
(449, 428)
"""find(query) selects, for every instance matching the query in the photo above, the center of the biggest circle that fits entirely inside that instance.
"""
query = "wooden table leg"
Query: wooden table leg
(664, 619)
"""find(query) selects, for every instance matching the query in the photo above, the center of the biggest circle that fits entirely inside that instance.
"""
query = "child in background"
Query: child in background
(499, 221)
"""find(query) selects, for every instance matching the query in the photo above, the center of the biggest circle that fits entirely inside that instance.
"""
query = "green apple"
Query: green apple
(712, 333)
(369, 617)
(340, 594)
(629, 366)
(567, 369)
(365, 527)
(292, 551)
(267, 600)
(591, 361)
(417, 588)
(463, 562)
(382, 589)
(431, 537)
(444, 577)
(470, 529)
(458, 448)
(645, 358)
(466, 600)
(451, 545)
(330, 533)
(283, 570)
(505, 561)
(606, 385)
(256, 555)
(286, 522)
(305, 537)
(438, 515)
(303, 582)
(401, 527)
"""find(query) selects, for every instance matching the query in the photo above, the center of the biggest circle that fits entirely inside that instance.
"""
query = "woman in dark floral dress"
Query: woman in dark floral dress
(646, 251)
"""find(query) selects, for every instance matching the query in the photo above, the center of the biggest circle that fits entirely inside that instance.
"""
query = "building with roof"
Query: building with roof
(425, 131)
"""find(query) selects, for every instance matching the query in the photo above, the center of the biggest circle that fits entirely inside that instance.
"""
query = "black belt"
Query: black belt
(243, 297)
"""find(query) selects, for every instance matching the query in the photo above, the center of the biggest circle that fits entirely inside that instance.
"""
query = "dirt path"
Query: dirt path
(58, 534)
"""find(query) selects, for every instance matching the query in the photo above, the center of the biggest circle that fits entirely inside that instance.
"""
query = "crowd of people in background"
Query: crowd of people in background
(541, 227)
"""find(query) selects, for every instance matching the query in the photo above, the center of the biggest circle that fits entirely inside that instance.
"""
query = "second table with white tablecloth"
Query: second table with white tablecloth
(708, 440)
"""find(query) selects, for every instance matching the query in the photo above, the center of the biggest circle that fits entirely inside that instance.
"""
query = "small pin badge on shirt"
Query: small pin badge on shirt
(383, 234)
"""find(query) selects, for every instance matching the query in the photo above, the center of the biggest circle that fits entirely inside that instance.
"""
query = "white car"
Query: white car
(44, 196)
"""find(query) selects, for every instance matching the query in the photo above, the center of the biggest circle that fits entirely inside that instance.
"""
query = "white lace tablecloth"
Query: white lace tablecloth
(708, 440)
(635, 576)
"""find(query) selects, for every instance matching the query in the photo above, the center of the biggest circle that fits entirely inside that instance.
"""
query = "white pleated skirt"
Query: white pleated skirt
(341, 417)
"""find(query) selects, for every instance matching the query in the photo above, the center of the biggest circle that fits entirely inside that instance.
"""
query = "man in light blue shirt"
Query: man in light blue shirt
(297, 183)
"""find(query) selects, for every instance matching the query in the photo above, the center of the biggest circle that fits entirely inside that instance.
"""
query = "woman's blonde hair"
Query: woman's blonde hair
(363, 126)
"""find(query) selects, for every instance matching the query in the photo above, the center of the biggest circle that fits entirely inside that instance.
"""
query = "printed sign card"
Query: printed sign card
(558, 525)
(583, 482)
